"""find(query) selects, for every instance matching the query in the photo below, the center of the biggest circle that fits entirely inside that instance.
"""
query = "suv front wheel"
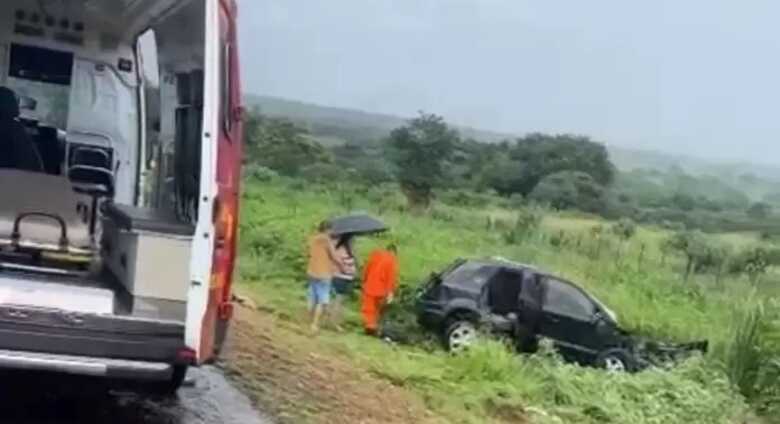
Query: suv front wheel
(460, 335)
(616, 360)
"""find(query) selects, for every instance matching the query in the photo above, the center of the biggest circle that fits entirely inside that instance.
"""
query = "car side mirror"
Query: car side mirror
(596, 318)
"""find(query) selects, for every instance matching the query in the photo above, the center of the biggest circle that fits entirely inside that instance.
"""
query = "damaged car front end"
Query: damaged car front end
(651, 353)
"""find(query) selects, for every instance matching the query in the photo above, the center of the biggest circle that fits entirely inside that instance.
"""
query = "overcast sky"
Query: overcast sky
(699, 77)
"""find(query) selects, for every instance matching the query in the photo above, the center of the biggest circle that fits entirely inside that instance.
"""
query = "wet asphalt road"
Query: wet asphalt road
(207, 398)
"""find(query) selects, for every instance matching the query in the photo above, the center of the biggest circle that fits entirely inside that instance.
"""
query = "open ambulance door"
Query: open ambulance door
(209, 305)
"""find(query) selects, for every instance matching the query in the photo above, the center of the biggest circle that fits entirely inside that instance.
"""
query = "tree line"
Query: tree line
(426, 156)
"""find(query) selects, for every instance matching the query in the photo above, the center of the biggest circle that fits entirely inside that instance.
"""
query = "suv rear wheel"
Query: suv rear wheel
(460, 335)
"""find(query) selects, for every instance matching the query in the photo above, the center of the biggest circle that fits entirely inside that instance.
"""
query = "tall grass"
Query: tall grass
(751, 358)
(490, 382)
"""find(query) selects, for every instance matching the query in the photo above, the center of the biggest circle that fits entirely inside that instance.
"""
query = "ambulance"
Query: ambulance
(120, 153)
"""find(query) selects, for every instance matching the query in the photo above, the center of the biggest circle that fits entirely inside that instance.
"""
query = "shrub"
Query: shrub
(624, 229)
(754, 261)
(516, 200)
(759, 210)
(439, 213)
(260, 173)
(565, 190)
(386, 199)
(323, 173)
(528, 220)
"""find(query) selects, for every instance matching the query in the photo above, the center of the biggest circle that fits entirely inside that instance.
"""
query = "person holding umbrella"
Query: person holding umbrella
(344, 230)
(344, 279)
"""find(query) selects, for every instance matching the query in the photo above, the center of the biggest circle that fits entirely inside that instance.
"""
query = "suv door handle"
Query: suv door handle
(553, 319)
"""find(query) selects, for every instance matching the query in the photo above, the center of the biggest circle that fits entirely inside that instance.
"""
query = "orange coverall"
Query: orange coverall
(379, 281)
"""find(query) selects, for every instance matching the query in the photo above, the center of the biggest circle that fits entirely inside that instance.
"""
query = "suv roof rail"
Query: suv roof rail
(504, 260)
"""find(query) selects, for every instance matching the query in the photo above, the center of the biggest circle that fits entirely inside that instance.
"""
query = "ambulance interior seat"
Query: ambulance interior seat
(17, 149)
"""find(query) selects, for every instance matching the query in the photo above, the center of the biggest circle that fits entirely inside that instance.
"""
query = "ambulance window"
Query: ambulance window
(41, 65)
(225, 89)
(43, 75)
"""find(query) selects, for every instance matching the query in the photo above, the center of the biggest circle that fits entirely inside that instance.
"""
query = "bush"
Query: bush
(442, 214)
(373, 172)
(323, 173)
(386, 199)
(570, 190)
(528, 220)
(517, 200)
(672, 226)
(754, 261)
(759, 210)
(464, 198)
(624, 229)
(260, 173)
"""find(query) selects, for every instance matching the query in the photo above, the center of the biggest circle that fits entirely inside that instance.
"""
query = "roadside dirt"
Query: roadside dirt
(285, 372)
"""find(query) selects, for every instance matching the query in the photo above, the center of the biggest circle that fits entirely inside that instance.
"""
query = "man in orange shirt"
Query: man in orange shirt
(379, 282)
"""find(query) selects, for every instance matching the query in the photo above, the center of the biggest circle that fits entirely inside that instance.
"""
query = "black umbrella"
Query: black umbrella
(356, 224)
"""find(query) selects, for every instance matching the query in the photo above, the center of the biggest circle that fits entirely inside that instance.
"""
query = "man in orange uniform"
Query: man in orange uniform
(379, 282)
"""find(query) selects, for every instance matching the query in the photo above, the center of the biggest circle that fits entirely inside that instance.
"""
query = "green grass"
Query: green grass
(490, 383)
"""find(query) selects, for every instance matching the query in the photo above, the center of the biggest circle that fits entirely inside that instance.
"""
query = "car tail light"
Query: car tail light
(224, 223)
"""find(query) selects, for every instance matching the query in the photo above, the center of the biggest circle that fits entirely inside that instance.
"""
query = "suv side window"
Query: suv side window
(566, 300)
(472, 273)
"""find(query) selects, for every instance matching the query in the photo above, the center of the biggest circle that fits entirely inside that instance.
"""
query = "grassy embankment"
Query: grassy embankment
(490, 384)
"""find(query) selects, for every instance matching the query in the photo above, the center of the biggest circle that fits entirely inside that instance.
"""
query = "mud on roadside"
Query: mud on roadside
(286, 372)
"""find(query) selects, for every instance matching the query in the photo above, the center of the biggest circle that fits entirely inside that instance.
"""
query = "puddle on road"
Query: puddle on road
(210, 399)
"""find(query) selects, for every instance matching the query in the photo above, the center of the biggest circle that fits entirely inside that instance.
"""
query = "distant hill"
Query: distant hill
(355, 125)
(333, 126)
(630, 159)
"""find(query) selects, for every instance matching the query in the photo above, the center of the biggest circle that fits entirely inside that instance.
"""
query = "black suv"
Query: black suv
(525, 304)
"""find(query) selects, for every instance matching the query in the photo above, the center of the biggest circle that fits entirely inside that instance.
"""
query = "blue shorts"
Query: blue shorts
(319, 292)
